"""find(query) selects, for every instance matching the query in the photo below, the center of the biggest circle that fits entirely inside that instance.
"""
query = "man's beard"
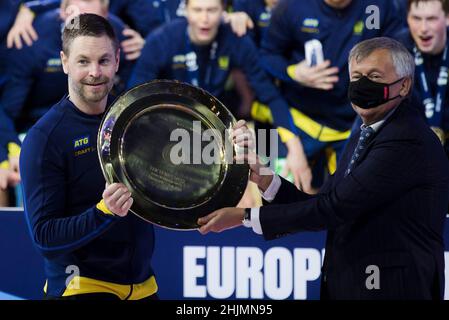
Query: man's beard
(82, 89)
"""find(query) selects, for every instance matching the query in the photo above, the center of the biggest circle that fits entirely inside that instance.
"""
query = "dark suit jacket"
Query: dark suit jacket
(389, 212)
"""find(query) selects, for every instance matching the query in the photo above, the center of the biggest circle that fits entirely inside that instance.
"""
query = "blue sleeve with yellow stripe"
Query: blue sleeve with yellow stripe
(44, 173)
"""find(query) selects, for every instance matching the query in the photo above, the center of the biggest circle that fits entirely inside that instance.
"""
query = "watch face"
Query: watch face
(247, 214)
(169, 143)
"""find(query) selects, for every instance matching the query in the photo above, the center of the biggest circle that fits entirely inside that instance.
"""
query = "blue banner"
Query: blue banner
(236, 264)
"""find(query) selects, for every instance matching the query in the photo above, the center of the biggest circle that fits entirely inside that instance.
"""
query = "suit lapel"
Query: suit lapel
(352, 143)
(346, 155)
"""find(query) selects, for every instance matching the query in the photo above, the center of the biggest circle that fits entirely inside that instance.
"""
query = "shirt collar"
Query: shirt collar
(377, 125)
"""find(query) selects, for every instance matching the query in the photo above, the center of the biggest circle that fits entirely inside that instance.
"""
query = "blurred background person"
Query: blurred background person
(35, 79)
(427, 39)
(316, 88)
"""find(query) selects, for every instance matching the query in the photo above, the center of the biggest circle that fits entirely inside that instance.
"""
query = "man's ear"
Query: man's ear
(117, 58)
(65, 61)
(406, 87)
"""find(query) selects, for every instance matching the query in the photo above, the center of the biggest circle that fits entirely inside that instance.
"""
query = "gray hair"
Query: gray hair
(403, 61)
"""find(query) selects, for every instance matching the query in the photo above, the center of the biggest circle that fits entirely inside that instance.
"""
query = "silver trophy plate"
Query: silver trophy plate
(169, 143)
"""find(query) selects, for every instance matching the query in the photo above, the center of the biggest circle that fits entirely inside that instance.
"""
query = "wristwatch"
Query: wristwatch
(247, 218)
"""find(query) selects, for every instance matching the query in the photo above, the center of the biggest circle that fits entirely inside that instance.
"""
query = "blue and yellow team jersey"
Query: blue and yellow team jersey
(86, 248)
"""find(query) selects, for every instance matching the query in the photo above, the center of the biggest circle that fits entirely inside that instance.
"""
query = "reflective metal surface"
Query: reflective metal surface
(169, 143)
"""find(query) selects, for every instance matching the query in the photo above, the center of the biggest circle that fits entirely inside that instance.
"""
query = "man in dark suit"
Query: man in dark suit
(384, 208)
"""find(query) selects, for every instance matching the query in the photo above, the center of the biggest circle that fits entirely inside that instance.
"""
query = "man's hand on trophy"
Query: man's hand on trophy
(220, 220)
(118, 199)
(246, 153)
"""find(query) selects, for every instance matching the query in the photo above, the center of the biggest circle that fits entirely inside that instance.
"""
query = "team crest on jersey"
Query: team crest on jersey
(358, 27)
(179, 62)
(264, 19)
(223, 62)
(53, 65)
(310, 25)
(183, 61)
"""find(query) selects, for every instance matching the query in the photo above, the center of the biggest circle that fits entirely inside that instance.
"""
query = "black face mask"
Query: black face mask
(368, 94)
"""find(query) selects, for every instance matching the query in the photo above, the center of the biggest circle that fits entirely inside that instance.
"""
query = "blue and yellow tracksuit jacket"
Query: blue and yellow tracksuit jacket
(70, 226)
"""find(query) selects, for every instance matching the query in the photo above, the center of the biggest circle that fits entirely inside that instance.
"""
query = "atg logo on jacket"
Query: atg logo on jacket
(81, 145)
(81, 142)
